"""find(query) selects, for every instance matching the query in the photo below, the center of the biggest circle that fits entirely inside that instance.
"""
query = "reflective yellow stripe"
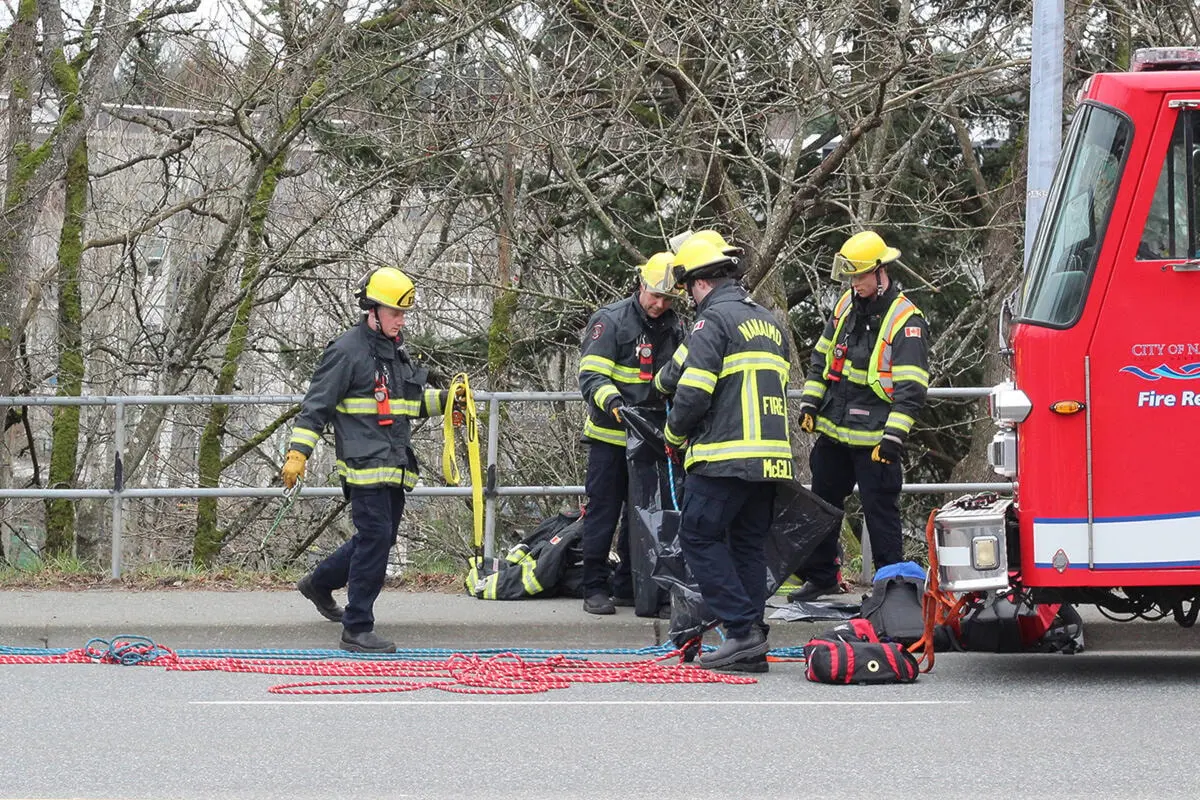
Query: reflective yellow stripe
(305, 436)
(898, 314)
(680, 354)
(391, 476)
(489, 586)
(725, 451)
(672, 438)
(698, 378)
(743, 362)
(599, 364)
(406, 408)
(750, 419)
(658, 381)
(628, 375)
(813, 389)
(855, 375)
(432, 402)
(909, 372)
(367, 406)
(899, 421)
(607, 435)
(357, 405)
(611, 369)
(529, 579)
(823, 345)
(856, 438)
(843, 304)
(603, 395)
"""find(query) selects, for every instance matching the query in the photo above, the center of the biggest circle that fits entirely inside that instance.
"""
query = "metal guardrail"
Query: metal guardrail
(119, 492)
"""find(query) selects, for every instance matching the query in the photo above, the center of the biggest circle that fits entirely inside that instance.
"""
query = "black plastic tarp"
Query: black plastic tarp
(653, 518)
(801, 521)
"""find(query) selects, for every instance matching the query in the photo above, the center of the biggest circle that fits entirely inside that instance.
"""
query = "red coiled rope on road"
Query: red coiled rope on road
(502, 674)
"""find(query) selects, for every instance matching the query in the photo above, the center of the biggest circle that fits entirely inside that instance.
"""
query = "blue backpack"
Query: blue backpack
(895, 605)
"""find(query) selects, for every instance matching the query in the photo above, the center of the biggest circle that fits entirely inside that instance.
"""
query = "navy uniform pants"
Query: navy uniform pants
(836, 468)
(607, 486)
(361, 563)
(723, 533)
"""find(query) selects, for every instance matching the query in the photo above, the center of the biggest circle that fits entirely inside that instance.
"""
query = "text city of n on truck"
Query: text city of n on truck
(1097, 422)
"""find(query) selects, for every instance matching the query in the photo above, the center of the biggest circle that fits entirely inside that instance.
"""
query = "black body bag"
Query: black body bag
(654, 488)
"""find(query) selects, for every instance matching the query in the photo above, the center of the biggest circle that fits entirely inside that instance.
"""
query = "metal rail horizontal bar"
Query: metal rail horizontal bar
(944, 392)
(420, 491)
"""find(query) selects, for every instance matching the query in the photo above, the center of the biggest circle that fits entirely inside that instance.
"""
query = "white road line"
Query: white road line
(491, 702)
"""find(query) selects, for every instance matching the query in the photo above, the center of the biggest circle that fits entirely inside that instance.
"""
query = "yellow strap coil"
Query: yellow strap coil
(470, 425)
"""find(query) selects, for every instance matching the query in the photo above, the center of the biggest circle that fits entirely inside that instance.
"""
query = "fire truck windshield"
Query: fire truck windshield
(1077, 210)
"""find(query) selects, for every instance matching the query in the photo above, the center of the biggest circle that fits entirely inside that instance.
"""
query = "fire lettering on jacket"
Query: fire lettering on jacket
(756, 327)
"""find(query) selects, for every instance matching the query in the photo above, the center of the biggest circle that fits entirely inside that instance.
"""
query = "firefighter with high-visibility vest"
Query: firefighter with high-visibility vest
(728, 423)
(624, 345)
(369, 387)
(866, 383)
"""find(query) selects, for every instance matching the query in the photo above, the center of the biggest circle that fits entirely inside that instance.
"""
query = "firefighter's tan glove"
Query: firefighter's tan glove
(293, 468)
(808, 419)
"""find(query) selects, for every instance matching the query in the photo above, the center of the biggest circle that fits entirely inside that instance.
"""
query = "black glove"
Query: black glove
(808, 418)
(888, 450)
(614, 407)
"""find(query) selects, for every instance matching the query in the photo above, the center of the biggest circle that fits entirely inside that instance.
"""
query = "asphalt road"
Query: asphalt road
(1093, 725)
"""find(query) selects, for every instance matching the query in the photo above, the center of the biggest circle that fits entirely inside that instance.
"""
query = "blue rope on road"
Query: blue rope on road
(136, 649)
(124, 649)
(671, 474)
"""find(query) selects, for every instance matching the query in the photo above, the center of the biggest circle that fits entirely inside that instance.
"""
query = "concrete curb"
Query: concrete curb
(185, 619)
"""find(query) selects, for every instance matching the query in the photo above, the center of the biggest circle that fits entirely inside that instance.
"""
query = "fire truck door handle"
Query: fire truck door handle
(1185, 266)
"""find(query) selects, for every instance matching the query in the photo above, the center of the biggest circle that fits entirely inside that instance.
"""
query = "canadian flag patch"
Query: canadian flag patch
(913, 330)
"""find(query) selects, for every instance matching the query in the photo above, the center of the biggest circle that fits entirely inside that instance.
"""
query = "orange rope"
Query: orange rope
(938, 607)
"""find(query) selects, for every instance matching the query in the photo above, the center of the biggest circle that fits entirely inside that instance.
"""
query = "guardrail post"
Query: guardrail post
(118, 517)
(489, 506)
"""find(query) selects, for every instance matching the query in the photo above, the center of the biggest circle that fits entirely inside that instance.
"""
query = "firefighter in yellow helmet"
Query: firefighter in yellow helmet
(624, 344)
(369, 388)
(729, 420)
(866, 383)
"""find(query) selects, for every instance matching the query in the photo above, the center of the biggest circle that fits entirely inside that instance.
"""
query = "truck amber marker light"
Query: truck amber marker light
(1067, 407)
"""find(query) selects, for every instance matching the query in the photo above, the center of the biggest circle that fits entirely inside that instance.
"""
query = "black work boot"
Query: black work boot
(625, 602)
(366, 642)
(737, 648)
(323, 600)
(813, 591)
(756, 664)
(599, 603)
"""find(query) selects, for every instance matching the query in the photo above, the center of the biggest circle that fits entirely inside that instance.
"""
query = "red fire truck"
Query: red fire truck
(1100, 420)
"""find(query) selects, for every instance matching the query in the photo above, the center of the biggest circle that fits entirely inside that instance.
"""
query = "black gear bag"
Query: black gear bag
(852, 653)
